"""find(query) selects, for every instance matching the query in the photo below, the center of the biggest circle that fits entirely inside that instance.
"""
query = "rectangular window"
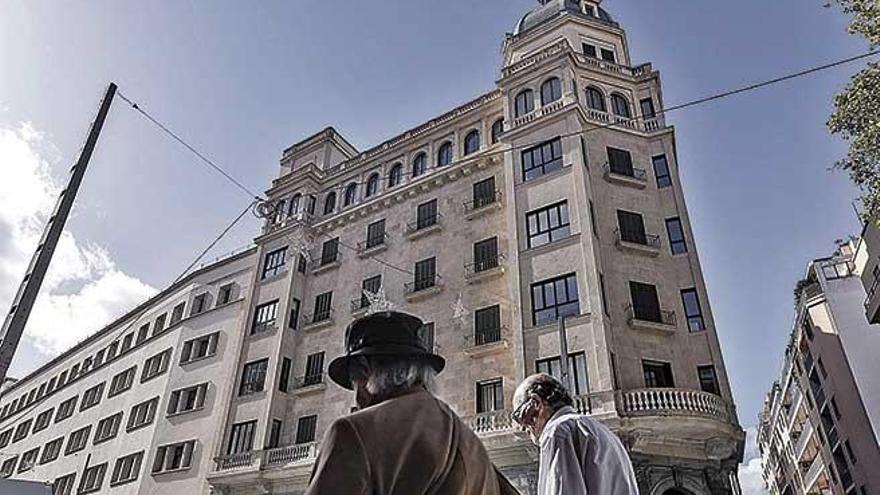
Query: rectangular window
(657, 374)
(122, 382)
(301, 264)
(21, 431)
(330, 251)
(284, 380)
(51, 450)
(107, 428)
(224, 295)
(486, 255)
(92, 479)
(142, 414)
(375, 234)
(305, 429)
(126, 345)
(264, 317)
(43, 420)
(274, 263)
(849, 450)
(156, 365)
(66, 409)
(143, 333)
(607, 55)
(253, 377)
(487, 325)
(177, 313)
(708, 379)
(8, 467)
(426, 335)
(555, 298)
(541, 159)
(77, 440)
(677, 241)
(187, 399)
(323, 307)
(692, 310)
(314, 369)
(484, 192)
(490, 396)
(426, 214)
(241, 437)
(63, 485)
(174, 457)
(604, 295)
(371, 285)
(548, 224)
(577, 368)
(590, 50)
(632, 227)
(92, 397)
(200, 304)
(274, 434)
(294, 314)
(199, 348)
(127, 468)
(661, 171)
(647, 106)
(646, 303)
(158, 326)
(425, 274)
(620, 162)
(28, 460)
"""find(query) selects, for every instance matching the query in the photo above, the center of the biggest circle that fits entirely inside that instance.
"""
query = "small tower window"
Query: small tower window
(595, 99)
(396, 174)
(444, 154)
(350, 193)
(420, 165)
(330, 203)
(524, 102)
(620, 106)
(472, 142)
(551, 91)
(372, 185)
(497, 130)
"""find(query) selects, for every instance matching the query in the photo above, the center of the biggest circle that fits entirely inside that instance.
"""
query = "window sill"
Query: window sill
(487, 349)
(122, 482)
(373, 250)
(569, 321)
(544, 178)
(103, 440)
(626, 180)
(311, 327)
(424, 231)
(251, 396)
(181, 413)
(196, 360)
(639, 249)
(483, 210)
(266, 332)
(310, 389)
(424, 293)
(170, 471)
(637, 324)
(327, 267)
(561, 243)
(138, 427)
(481, 276)
(272, 278)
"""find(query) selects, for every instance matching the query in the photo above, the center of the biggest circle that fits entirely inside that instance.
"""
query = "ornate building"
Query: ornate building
(553, 197)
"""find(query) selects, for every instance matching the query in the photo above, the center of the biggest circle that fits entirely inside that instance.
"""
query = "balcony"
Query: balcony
(663, 321)
(634, 177)
(239, 461)
(372, 245)
(319, 320)
(424, 226)
(487, 341)
(638, 243)
(491, 422)
(486, 268)
(304, 385)
(673, 402)
(422, 288)
(327, 262)
(806, 435)
(274, 458)
(482, 204)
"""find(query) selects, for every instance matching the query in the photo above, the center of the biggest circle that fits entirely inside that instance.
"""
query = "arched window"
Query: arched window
(330, 203)
(279, 211)
(595, 99)
(294, 204)
(444, 154)
(472, 142)
(419, 165)
(396, 174)
(497, 130)
(524, 102)
(350, 193)
(372, 185)
(551, 90)
(620, 106)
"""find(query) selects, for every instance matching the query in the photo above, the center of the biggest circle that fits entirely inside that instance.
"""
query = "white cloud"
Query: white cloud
(750, 478)
(83, 289)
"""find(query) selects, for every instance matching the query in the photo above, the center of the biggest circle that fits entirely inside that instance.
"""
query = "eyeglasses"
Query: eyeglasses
(518, 413)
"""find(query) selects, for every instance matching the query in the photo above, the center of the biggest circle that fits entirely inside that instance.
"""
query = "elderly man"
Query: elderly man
(403, 440)
(579, 456)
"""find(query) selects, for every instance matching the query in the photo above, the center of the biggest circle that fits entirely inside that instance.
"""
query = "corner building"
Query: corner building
(555, 196)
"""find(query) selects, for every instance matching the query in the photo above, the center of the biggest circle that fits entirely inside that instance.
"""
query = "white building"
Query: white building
(555, 194)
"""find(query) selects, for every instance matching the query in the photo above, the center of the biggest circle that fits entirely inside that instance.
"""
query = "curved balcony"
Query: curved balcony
(673, 402)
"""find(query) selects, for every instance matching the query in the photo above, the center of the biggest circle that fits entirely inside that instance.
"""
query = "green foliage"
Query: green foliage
(856, 116)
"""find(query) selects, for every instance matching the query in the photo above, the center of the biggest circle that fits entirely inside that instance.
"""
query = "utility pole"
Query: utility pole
(13, 325)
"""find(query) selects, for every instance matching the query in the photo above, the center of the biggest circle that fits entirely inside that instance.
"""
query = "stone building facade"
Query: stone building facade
(819, 432)
(555, 196)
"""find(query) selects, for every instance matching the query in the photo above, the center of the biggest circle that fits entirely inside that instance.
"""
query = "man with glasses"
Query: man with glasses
(579, 456)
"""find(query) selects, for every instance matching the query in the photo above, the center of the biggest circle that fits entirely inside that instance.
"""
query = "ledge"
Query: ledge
(486, 349)
(311, 327)
(327, 267)
(626, 180)
(636, 248)
(482, 276)
(373, 250)
(310, 389)
(483, 210)
(637, 324)
(424, 293)
(423, 232)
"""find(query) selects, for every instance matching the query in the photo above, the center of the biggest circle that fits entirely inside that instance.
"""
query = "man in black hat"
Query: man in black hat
(403, 440)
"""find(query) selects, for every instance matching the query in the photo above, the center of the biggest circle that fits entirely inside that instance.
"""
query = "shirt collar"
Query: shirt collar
(562, 411)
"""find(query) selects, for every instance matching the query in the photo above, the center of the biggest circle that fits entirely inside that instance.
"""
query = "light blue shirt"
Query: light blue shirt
(580, 456)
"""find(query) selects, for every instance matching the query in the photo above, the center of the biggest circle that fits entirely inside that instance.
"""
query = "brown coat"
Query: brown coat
(408, 445)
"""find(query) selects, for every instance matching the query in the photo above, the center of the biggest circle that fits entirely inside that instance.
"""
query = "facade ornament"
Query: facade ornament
(378, 302)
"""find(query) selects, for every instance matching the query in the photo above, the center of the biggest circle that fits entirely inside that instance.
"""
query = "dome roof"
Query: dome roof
(549, 9)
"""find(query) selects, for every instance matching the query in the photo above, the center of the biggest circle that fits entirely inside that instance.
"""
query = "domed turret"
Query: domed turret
(550, 9)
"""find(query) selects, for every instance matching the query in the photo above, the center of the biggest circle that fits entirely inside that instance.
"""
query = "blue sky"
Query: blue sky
(243, 82)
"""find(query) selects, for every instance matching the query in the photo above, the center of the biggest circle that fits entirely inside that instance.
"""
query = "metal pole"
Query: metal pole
(13, 326)
(563, 354)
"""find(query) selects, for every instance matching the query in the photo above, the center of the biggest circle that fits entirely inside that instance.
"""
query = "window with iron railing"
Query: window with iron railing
(632, 227)
(620, 162)
(484, 193)
(323, 307)
(645, 302)
(485, 255)
(487, 325)
(425, 274)
(329, 251)
(314, 372)
(375, 234)
(426, 215)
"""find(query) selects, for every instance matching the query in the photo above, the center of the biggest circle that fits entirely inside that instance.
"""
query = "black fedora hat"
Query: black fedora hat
(389, 333)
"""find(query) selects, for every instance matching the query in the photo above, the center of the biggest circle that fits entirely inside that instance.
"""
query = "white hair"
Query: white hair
(385, 375)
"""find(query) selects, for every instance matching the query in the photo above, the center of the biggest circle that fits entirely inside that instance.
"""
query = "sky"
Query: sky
(242, 82)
